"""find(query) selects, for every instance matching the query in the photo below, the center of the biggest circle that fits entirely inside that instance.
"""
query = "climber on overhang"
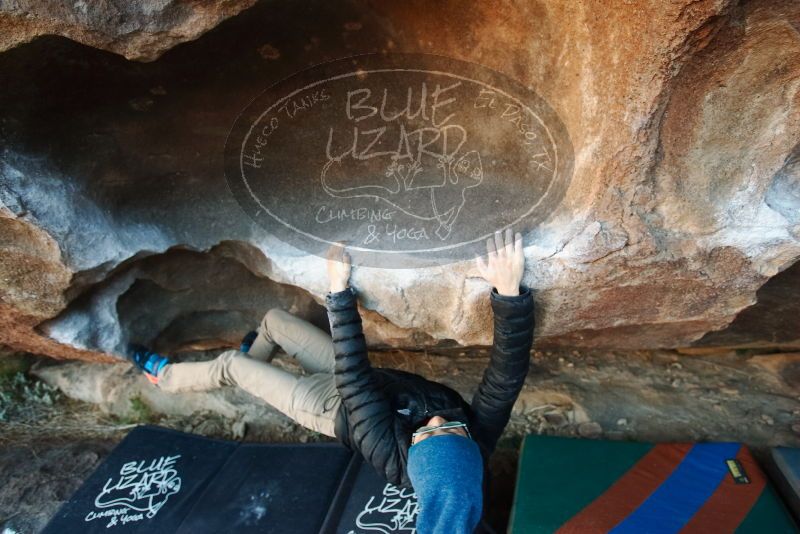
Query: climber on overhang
(413, 431)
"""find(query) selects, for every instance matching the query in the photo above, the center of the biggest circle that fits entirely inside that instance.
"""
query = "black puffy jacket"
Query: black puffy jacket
(381, 408)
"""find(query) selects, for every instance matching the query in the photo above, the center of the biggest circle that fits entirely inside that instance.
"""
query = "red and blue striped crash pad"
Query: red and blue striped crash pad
(574, 486)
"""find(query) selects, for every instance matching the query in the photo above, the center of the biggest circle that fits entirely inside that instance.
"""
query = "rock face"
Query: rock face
(136, 30)
(771, 322)
(118, 223)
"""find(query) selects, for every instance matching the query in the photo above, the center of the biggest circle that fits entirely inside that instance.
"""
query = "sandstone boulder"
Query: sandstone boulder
(118, 223)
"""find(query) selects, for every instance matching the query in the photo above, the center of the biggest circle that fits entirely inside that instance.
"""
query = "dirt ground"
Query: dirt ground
(49, 443)
(37, 477)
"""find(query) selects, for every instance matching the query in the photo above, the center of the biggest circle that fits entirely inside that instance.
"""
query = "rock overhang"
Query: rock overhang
(662, 235)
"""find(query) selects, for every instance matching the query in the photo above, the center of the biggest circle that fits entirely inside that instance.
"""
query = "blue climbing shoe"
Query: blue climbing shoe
(148, 361)
(247, 341)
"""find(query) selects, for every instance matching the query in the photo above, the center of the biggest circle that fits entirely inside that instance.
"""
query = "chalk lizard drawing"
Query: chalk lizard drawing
(141, 489)
(403, 191)
(395, 512)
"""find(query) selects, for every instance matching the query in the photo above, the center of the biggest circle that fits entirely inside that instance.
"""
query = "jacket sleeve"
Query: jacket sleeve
(369, 414)
(508, 366)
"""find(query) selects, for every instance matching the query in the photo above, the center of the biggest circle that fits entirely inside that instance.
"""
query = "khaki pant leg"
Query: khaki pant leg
(310, 346)
(315, 403)
(311, 401)
(263, 347)
(232, 368)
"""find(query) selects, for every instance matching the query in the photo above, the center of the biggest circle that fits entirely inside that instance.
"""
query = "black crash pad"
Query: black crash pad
(367, 503)
(163, 481)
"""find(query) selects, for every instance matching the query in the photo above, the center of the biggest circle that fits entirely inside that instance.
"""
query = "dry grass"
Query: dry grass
(32, 411)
